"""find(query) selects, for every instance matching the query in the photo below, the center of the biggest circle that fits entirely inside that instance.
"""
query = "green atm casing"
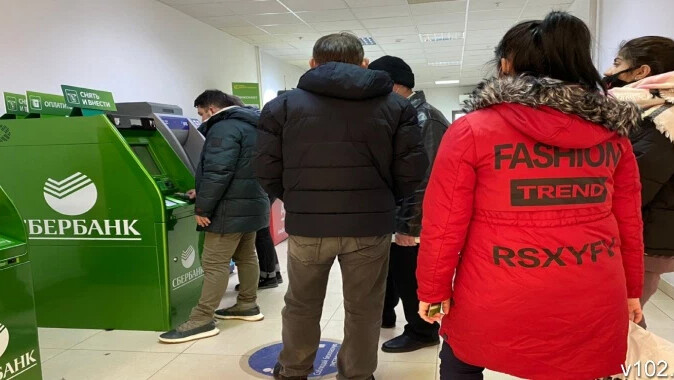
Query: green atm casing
(19, 350)
(110, 247)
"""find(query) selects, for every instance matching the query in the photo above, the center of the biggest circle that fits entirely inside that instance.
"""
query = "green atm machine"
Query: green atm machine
(19, 352)
(113, 245)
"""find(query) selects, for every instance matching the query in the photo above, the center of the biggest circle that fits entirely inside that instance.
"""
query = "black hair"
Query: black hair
(217, 99)
(654, 51)
(557, 47)
(339, 47)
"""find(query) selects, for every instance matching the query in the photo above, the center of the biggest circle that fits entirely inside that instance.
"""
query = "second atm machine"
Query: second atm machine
(180, 132)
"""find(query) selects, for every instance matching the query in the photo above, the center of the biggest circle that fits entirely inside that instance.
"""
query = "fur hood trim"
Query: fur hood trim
(615, 115)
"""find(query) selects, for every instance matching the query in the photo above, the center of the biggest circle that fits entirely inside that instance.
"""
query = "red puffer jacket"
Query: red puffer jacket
(537, 213)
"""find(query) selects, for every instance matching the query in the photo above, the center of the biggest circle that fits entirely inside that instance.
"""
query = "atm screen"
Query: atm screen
(145, 157)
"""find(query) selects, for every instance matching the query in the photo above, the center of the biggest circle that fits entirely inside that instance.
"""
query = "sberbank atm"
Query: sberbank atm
(113, 244)
(19, 349)
(177, 129)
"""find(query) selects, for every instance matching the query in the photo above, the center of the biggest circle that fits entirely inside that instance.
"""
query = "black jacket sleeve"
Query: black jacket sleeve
(269, 158)
(409, 162)
(655, 157)
(221, 154)
(409, 215)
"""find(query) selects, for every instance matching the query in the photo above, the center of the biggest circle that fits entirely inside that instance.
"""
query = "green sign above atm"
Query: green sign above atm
(47, 104)
(249, 93)
(86, 98)
(16, 104)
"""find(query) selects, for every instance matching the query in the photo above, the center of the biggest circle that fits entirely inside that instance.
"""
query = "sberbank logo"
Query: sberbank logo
(72, 196)
(188, 256)
(4, 339)
(17, 366)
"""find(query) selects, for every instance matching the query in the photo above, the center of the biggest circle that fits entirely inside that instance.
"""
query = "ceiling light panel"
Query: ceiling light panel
(444, 63)
(367, 41)
(450, 81)
(437, 37)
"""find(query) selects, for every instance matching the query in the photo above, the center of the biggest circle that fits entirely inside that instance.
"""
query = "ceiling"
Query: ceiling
(467, 30)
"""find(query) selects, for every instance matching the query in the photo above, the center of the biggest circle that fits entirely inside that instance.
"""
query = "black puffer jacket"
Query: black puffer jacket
(227, 190)
(339, 151)
(433, 126)
(655, 156)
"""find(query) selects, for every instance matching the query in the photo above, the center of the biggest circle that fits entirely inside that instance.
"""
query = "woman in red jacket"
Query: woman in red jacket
(531, 234)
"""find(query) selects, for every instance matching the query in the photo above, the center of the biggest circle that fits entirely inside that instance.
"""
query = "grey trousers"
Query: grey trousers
(219, 250)
(364, 264)
(654, 267)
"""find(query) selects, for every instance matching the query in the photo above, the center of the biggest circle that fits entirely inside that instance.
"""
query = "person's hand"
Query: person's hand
(423, 311)
(192, 194)
(405, 240)
(203, 221)
(634, 308)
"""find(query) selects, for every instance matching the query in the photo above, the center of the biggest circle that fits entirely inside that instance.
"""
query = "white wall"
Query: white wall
(620, 20)
(446, 99)
(138, 49)
(277, 75)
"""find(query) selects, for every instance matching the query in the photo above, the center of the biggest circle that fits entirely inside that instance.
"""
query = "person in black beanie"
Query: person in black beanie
(401, 282)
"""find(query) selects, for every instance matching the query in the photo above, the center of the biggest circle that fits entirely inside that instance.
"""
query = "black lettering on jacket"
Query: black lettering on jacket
(512, 156)
(530, 257)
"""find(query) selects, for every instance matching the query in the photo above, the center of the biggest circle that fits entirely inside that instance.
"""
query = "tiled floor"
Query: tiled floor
(135, 355)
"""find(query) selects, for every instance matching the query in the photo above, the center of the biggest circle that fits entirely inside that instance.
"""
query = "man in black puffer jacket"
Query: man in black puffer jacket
(338, 151)
(402, 280)
(230, 207)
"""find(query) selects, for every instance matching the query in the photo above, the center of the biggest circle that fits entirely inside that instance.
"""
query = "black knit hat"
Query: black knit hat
(400, 72)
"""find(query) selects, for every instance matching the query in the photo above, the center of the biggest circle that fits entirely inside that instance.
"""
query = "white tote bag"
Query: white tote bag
(648, 356)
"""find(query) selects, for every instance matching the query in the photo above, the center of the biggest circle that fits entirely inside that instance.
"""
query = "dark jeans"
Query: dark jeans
(266, 252)
(452, 368)
(402, 283)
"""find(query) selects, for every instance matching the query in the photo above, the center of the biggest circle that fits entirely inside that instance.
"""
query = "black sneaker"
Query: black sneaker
(279, 278)
(237, 312)
(278, 376)
(189, 331)
(265, 283)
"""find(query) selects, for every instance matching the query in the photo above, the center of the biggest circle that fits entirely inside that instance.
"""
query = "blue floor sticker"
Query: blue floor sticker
(264, 359)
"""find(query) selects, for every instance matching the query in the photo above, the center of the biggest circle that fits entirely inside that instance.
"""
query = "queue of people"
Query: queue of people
(530, 242)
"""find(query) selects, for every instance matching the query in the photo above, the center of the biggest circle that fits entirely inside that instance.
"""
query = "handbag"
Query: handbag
(648, 356)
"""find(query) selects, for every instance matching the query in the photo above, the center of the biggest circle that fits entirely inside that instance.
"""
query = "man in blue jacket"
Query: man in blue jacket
(230, 207)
